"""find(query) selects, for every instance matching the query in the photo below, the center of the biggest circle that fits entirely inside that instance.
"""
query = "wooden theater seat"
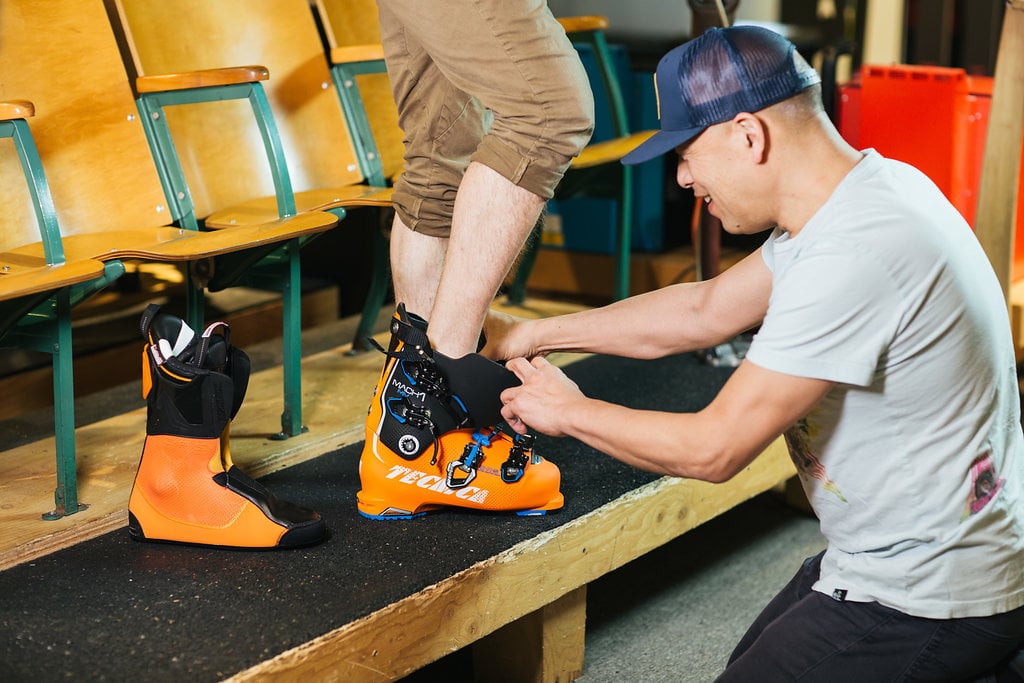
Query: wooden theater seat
(39, 289)
(107, 197)
(315, 161)
(23, 276)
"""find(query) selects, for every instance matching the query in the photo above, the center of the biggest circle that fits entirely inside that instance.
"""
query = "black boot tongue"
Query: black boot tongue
(478, 382)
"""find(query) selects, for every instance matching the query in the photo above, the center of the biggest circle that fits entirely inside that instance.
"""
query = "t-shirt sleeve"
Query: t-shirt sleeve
(831, 315)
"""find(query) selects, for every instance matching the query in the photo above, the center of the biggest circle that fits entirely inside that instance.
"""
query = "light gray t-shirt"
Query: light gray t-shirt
(913, 462)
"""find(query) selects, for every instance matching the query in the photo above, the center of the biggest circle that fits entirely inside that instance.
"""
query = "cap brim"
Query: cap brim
(660, 143)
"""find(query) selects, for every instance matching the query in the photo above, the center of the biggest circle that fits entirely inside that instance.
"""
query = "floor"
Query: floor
(674, 615)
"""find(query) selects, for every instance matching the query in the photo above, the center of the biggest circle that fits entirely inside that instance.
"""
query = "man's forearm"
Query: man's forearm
(650, 325)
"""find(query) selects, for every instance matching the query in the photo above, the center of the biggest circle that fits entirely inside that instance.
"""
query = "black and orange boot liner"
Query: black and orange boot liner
(187, 490)
(432, 440)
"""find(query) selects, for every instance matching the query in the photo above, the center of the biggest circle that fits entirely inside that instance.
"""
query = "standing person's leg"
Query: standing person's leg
(430, 435)
(448, 62)
(477, 262)
(442, 127)
(429, 269)
(416, 263)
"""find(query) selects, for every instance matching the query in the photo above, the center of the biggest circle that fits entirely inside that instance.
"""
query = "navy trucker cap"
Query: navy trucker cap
(717, 75)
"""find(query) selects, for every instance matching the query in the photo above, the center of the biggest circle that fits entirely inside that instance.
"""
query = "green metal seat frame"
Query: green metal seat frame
(43, 322)
(277, 267)
(344, 76)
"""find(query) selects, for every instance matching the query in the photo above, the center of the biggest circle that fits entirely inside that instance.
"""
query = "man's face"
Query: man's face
(715, 167)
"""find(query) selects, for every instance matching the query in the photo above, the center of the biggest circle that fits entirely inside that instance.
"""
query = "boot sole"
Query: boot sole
(417, 515)
(298, 537)
(380, 512)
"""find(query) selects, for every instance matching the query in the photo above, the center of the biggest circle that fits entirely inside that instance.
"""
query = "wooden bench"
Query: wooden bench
(107, 197)
(517, 595)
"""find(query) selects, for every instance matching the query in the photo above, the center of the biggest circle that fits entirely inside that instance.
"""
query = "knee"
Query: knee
(534, 146)
(572, 118)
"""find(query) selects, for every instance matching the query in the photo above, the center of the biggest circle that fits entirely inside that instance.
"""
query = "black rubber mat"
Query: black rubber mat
(116, 610)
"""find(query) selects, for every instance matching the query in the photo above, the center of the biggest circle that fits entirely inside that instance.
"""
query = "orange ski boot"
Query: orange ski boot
(427, 444)
(187, 489)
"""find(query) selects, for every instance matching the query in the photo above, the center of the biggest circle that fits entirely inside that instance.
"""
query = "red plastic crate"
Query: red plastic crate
(932, 117)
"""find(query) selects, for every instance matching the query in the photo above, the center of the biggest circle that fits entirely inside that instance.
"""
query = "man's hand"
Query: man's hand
(543, 402)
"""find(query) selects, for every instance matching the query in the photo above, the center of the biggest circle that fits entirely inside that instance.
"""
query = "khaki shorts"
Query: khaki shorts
(455, 63)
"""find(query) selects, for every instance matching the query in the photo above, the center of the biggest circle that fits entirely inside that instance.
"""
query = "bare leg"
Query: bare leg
(416, 263)
(490, 223)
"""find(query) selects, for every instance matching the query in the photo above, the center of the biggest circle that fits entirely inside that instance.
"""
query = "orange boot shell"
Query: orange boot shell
(393, 487)
(422, 451)
(175, 498)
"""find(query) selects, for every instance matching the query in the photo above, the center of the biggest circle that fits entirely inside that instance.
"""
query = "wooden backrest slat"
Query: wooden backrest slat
(225, 163)
(354, 24)
(63, 58)
(201, 79)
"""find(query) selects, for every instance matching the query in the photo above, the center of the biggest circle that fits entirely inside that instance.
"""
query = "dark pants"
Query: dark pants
(803, 635)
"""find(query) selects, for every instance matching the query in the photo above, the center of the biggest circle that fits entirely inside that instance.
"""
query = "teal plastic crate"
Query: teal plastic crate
(588, 224)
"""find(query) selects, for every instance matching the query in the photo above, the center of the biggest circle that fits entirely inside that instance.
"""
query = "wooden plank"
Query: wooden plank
(16, 109)
(170, 244)
(17, 280)
(542, 647)
(997, 192)
(458, 611)
(204, 78)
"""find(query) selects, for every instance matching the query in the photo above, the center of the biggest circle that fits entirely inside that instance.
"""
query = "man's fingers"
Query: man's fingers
(521, 367)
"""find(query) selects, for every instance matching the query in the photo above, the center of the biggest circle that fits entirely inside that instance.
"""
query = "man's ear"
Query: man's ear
(755, 134)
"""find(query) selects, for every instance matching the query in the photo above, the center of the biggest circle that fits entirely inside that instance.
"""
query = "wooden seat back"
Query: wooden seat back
(353, 24)
(63, 58)
(26, 216)
(226, 164)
